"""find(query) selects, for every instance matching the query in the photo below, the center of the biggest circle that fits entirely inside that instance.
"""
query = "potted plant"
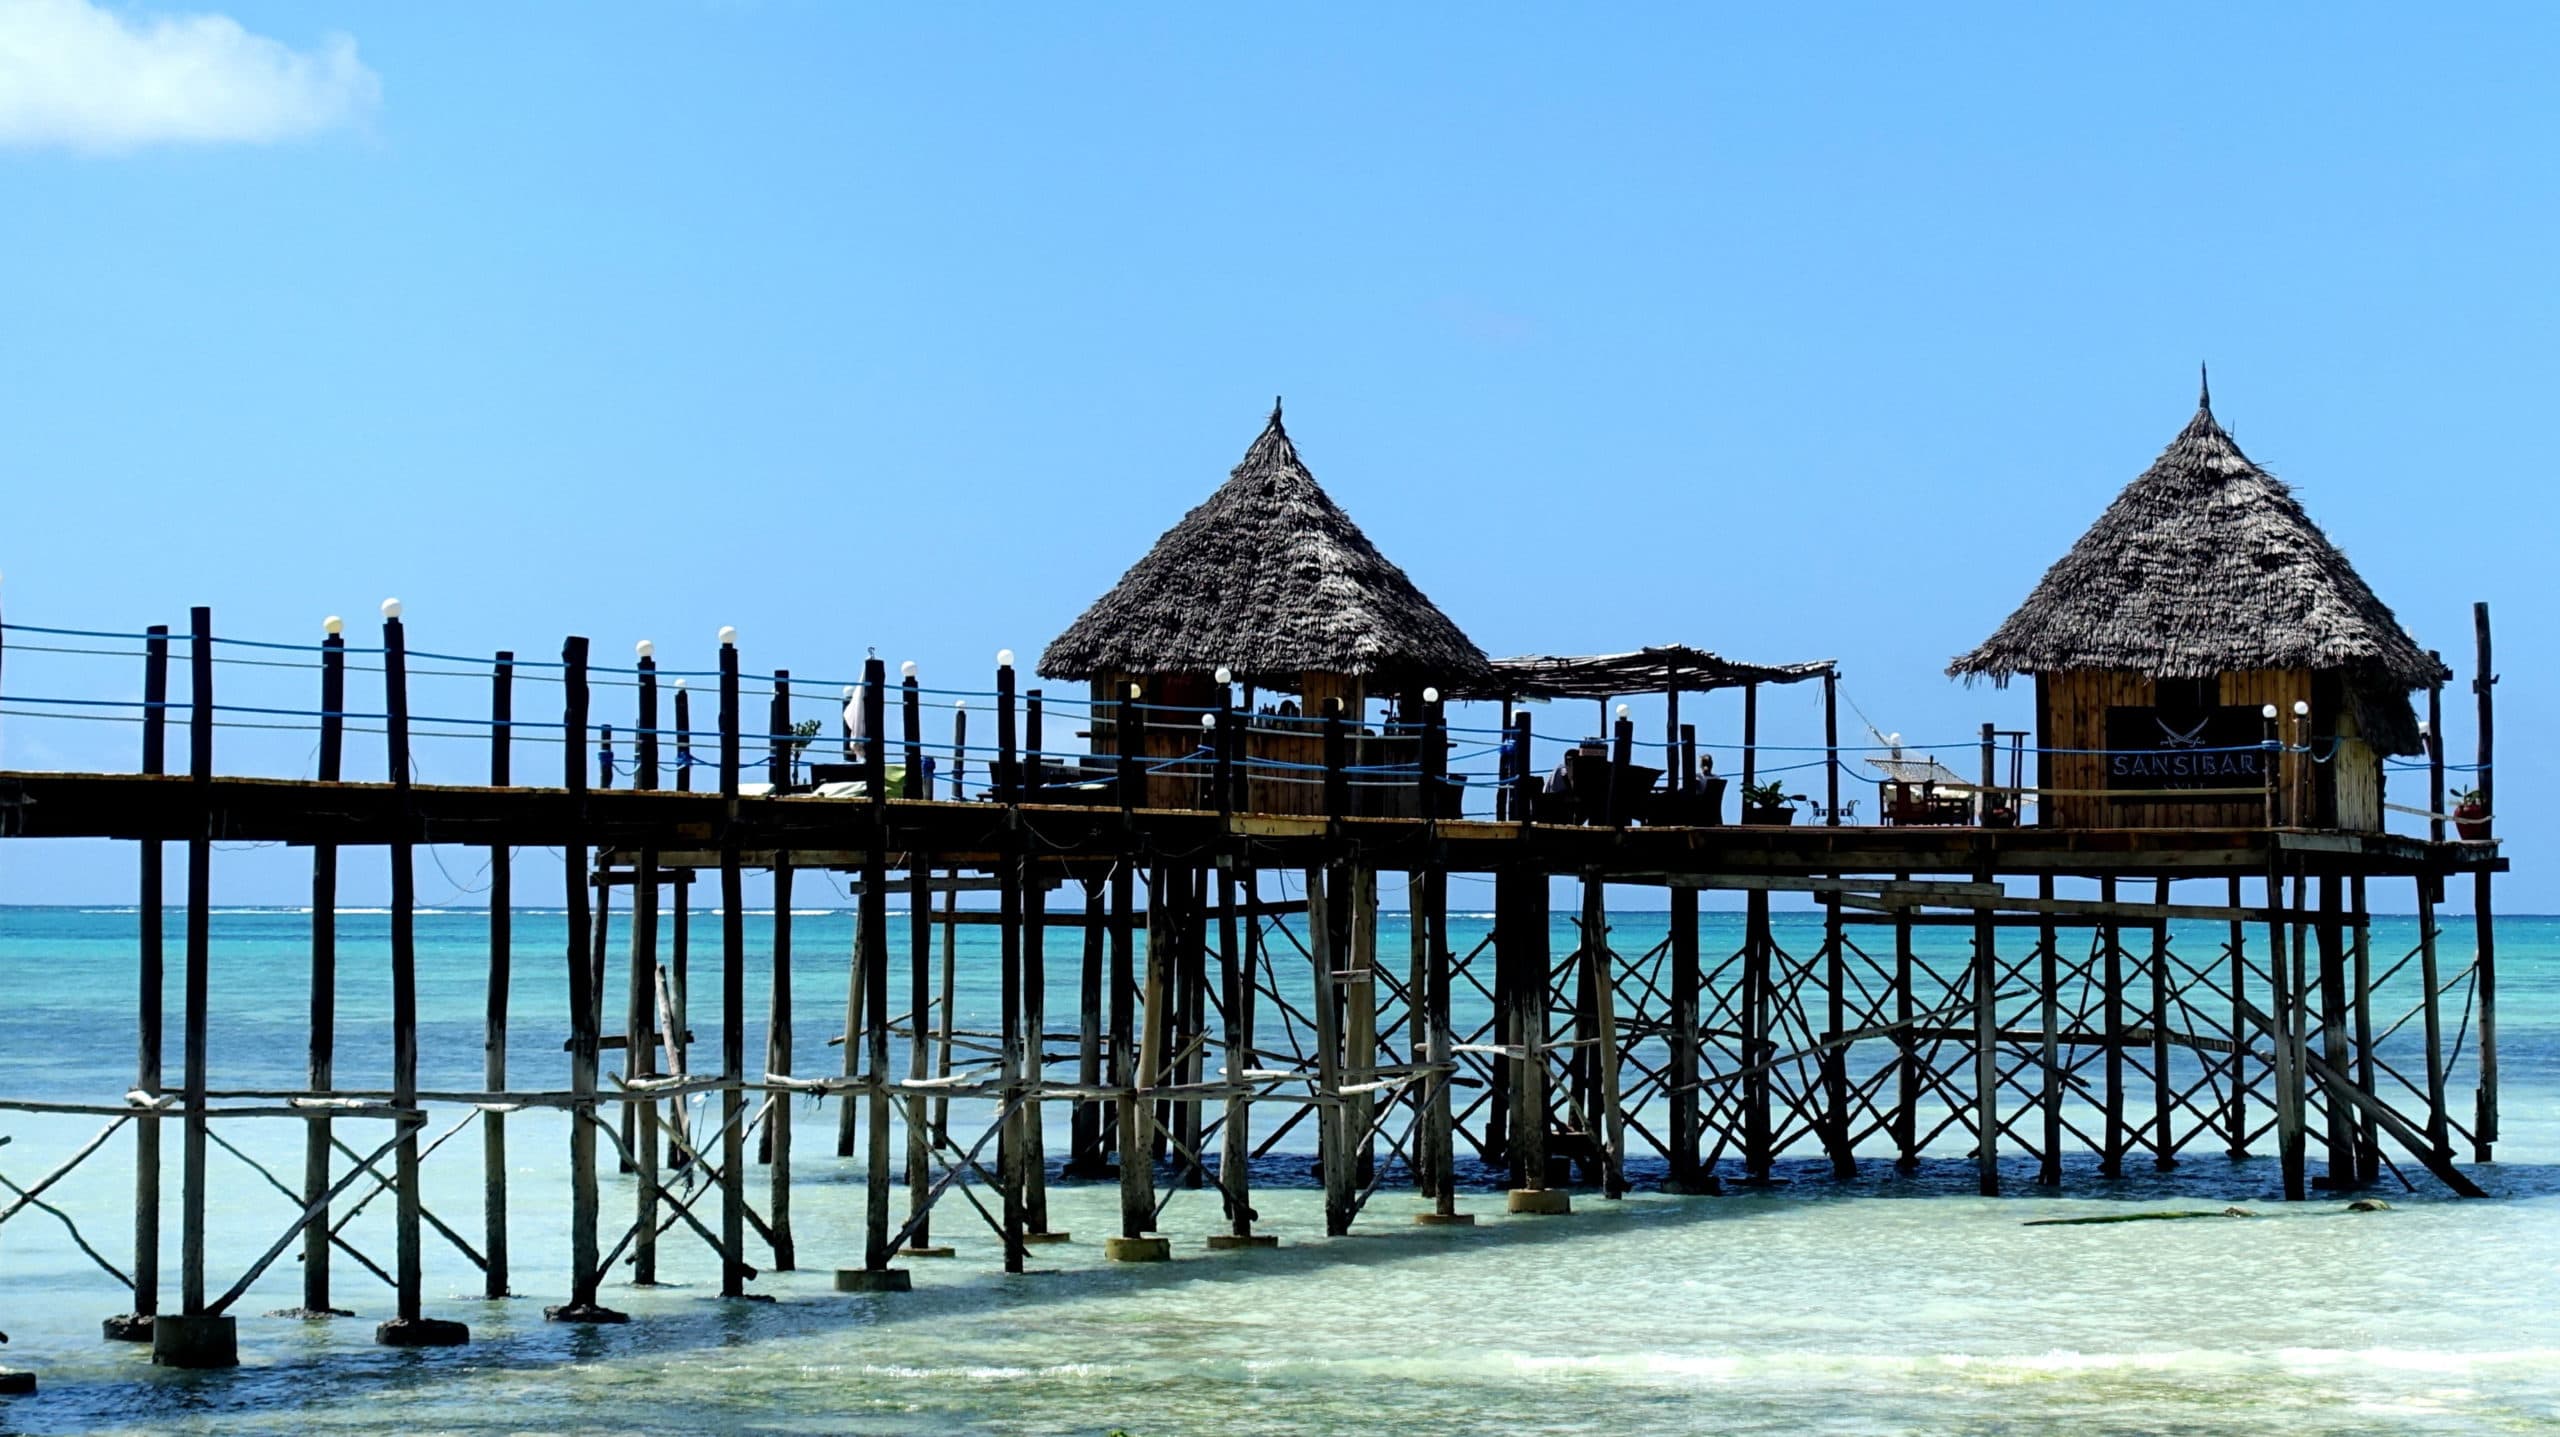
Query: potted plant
(2470, 813)
(1769, 803)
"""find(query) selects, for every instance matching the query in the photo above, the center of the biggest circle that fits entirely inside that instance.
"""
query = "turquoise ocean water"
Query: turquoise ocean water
(1891, 1304)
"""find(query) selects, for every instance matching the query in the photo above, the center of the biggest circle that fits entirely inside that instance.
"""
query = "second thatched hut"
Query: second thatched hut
(2203, 596)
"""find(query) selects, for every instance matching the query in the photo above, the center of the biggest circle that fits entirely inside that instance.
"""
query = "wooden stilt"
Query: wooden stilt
(2484, 1119)
(675, 1004)
(874, 920)
(2288, 1070)
(2112, 1142)
(493, 1029)
(2331, 928)
(951, 928)
(1986, 1047)
(1359, 990)
(316, 1251)
(2236, 1125)
(1012, 1146)
(2049, 1018)
(584, 1040)
(640, 1000)
(2431, 1014)
(1327, 889)
(2360, 1010)
(2163, 1096)
(1520, 940)
(1087, 1157)
(150, 998)
(1686, 1020)
(733, 993)
(1835, 1021)
(1906, 1045)
(919, 983)
(1758, 1157)
(1611, 1117)
(1035, 996)
(199, 953)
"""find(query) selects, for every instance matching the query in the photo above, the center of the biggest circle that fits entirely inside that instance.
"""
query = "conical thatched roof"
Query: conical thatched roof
(1270, 578)
(2204, 565)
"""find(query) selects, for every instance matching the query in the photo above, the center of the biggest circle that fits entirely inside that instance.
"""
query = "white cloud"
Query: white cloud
(76, 76)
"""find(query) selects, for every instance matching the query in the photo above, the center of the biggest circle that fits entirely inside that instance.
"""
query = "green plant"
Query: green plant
(802, 733)
(2465, 797)
(1772, 794)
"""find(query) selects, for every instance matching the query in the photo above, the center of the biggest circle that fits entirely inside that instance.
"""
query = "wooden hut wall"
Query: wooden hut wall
(1299, 790)
(2075, 718)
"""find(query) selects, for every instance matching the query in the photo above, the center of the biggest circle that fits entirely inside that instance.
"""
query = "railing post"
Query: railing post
(1337, 783)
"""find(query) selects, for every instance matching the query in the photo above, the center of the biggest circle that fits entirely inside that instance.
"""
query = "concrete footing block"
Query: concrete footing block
(422, 1332)
(127, 1327)
(15, 1383)
(1444, 1219)
(595, 1312)
(1138, 1249)
(874, 1279)
(200, 1341)
(1241, 1242)
(1540, 1202)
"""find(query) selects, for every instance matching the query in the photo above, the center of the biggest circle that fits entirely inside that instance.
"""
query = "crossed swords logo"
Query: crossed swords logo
(2191, 738)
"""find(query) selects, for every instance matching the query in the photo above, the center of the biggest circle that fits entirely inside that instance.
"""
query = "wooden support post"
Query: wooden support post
(675, 1018)
(1750, 740)
(1520, 945)
(1835, 1021)
(1137, 1170)
(2163, 1097)
(493, 1029)
(1906, 1045)
(951, 928)
(1831, 751)
(640, 1000)
(733, 987)
(2288, 1070)
(585, 1043)
(2484, 1121)
(1123, 1050)
(316, 1250)
(1235, 978)
(779, 766)
(1360, 1019)
(2111, 993)
(1035, 991)
(2331, 929)
(199, 952)
(1011, 1146)
(2360, 1009)
(1686, 1024)
(874, 921)
(1758, 1156)
(1607, 1118)
(1327, 891)
(857, 982)
(150, 998)
(2236, 1125)
(2435, 753)
(1986, 1046)
(1086, 1157)
(2049, 1018)
(920, 1130)
(1582, 1073)
(2430, 887)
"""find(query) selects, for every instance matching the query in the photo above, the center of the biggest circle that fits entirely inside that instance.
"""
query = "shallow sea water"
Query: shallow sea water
(1894, 1304)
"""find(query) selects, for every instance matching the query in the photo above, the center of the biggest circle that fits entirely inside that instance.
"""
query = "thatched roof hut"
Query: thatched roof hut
(1270, 578)
(2206, 565)
(2206, 581)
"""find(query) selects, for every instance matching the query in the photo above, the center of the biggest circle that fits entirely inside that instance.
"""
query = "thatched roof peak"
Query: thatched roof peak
(1268, 577)
(2205, 564)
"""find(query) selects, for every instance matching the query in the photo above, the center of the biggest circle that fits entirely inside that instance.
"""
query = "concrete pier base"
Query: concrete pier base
(195, 1341)
(1235, 1242)
(874, 1279)
(583, 1312)
(1541, 1202)
(14, 1383)
(127, 1327)
(1444, 1219)
(421, 1332)
(1138, 1249)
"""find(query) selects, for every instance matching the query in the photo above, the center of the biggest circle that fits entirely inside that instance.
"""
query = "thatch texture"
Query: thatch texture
(2204, 565)
(1654, 670)
(1270, 578)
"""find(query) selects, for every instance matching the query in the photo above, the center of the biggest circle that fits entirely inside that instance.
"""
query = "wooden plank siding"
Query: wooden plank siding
(2345, 791)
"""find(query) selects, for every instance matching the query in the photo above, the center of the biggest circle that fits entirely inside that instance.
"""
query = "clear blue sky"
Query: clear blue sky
(1791, 335)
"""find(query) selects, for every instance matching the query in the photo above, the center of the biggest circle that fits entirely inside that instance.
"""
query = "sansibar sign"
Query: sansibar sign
(2151, 750)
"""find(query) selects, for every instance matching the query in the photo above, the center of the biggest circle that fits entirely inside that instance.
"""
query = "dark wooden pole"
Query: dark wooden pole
(199, 952)
(150, 996)
(585, 1043)
(919, 974)
(2484, 1125)
(2111, 1144)
(2049, 1018)
(781, 758)
(733, 987)
(2164, 1143)
(640, 1007)
(1012, 1146)
(324, 983)
(874, 920)
(493, 1032)
(1831, 747)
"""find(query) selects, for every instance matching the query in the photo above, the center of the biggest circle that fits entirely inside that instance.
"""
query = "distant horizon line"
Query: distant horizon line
(108, 908)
